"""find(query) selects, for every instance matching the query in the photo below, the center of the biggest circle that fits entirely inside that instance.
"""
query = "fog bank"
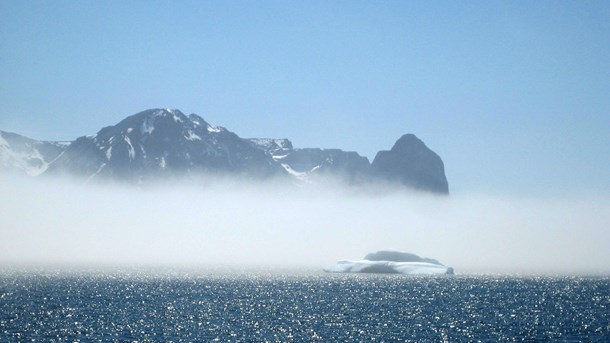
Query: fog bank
(233, 224)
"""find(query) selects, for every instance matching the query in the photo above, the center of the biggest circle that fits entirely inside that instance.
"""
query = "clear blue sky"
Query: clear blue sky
(514, 96)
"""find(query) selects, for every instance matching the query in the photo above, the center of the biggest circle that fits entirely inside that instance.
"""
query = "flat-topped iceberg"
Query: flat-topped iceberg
(391, 262)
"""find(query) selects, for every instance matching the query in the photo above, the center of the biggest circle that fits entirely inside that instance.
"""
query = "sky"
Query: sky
(512, 95)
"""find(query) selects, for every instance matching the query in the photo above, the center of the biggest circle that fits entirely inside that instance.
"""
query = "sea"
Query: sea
(298, 306)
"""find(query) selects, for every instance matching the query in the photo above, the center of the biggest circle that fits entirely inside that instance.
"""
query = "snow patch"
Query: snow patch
(191, 136)
(96, 172)
(148, 126)
(109, 153)
(61, 144)
(280, 143)
(212, 128)
(296, 174)
(58, 156)
(130, 150)
(177, 118)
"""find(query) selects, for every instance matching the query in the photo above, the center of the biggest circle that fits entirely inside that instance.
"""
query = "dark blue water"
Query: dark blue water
(135, 306)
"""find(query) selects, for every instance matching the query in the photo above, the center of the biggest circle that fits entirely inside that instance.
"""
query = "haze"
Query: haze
(512, 95)
(236, 224)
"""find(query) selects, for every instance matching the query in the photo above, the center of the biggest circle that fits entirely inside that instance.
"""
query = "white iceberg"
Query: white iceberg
(392, 262)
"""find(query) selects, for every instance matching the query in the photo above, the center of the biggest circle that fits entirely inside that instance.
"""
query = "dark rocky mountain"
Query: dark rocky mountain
(166, 143)
(272, 146)
(308, 163)
(328, 162)
(163, 142)
(413, 164)
(22, 155)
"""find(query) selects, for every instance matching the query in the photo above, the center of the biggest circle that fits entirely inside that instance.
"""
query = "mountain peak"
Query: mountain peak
(413, 164)
(175, 114)
(407, 142)
(162, 142)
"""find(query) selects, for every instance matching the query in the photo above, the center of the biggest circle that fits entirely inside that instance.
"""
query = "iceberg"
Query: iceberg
(391, 262)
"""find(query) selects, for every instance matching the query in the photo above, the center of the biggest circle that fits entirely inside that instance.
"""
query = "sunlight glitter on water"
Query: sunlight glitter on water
(137, 306)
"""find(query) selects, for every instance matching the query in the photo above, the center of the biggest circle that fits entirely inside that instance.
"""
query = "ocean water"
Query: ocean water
(299, 307)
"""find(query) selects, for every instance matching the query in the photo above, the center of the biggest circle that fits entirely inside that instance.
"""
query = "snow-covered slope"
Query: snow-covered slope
(22, 155)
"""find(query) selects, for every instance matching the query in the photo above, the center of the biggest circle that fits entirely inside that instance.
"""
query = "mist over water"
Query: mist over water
(230, 223)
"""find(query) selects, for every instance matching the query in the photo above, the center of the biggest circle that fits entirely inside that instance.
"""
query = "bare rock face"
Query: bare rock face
(411, 163)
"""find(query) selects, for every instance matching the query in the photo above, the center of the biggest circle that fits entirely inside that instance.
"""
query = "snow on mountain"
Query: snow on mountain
(19, 154)
(308, 163)
(166, 142)
(409, 163)
(315, 162)
(159, 142)
(273, 146)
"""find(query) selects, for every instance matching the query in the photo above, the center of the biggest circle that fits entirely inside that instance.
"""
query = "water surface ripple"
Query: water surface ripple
(279, 307)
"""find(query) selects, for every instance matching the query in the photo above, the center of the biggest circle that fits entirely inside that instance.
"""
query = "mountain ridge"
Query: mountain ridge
(166, 142)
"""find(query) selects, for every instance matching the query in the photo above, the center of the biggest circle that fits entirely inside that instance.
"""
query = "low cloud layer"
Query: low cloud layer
(235, 224)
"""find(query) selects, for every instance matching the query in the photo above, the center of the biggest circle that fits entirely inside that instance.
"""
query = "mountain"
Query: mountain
(309, 163)
(411, 163)
(22, 155)
(161, 143)
(272, 146)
